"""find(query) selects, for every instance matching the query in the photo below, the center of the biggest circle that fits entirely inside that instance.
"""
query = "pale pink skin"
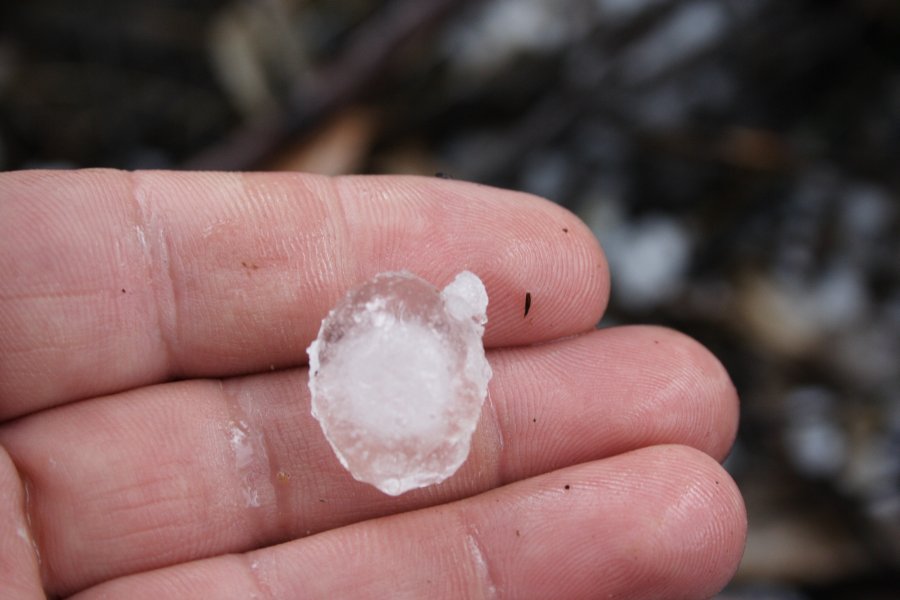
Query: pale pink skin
(594, 471)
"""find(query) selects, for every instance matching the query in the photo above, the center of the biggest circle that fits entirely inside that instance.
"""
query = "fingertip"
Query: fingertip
(636, 386)
(699, 539)
(656, 523)
(525, 249)
(693, 384)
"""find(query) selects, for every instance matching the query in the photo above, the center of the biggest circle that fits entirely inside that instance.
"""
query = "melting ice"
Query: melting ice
(398, 376)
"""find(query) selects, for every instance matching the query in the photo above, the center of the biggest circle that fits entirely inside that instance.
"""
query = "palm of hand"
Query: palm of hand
(157, 434)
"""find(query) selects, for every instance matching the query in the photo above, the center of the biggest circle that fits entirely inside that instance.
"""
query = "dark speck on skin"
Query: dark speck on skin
(527, 302)
(565, 230)
(567, 486)
(123, 290)
(441, 175)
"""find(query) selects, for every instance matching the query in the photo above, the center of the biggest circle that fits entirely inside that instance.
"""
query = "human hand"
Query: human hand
(156, 426)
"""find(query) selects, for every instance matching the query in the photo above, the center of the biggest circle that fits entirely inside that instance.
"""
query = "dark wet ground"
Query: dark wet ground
(739, 159)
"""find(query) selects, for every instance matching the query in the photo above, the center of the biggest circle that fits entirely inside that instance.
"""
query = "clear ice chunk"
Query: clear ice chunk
(398, 376)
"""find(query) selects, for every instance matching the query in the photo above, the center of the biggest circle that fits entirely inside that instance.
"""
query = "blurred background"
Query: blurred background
(739, 160)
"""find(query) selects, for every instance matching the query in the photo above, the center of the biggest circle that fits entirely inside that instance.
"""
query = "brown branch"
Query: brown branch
(339, 82)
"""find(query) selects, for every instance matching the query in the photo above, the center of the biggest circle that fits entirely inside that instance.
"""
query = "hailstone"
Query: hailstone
(398, 376)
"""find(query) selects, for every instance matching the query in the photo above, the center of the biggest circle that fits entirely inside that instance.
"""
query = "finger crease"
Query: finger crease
(500, 453)
(155, 245)
(261, 590)
(479, 564)
(27, 530)
(349, 265)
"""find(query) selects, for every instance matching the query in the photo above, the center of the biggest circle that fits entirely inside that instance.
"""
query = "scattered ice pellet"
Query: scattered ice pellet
(398, 376)
(649, 260)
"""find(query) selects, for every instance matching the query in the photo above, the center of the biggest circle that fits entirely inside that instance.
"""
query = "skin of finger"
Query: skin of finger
(111, 280)
(658, 523)
(19, 573)
(192, 469)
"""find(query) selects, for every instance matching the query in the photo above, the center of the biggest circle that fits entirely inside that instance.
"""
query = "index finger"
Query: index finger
(112, 280)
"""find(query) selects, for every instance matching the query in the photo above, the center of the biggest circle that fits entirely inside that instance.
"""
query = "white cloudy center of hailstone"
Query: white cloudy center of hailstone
(398, 376)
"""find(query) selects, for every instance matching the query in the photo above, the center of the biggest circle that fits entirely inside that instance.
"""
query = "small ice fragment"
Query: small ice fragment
(466, 298)
(398, 376)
